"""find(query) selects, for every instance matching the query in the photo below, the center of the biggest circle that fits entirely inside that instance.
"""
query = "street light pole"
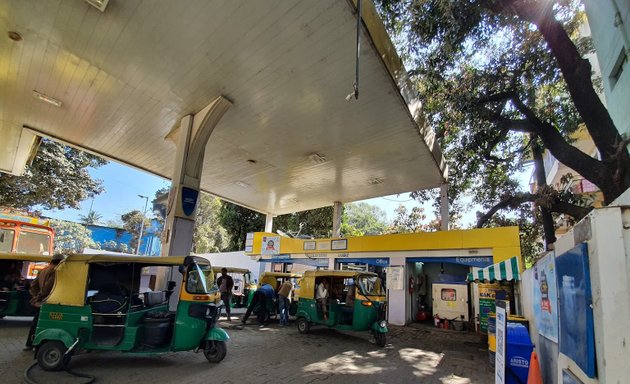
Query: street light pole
(142, 221)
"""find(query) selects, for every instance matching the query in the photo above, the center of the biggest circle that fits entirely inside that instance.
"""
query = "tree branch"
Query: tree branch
(553, 205)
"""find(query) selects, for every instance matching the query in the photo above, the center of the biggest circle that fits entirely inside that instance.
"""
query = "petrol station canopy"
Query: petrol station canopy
(118, 81)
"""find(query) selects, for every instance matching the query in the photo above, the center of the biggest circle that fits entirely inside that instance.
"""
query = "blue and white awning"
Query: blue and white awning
(505, 270)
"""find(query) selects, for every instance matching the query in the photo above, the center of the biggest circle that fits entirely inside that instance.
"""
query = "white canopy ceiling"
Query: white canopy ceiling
(290, 142)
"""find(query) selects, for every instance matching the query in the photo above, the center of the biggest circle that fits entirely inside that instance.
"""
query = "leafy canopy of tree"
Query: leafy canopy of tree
(132, 222)
(363, 219)
(91, 218)
(315, 223)
(57, 178)
(238, 221)
(72, 237)
(498, 77)
(412, 221)
(208, 234)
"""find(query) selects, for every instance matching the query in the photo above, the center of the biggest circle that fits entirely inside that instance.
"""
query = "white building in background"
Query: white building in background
(609, 23)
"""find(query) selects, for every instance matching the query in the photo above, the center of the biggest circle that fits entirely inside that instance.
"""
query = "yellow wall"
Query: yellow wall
(504, 242)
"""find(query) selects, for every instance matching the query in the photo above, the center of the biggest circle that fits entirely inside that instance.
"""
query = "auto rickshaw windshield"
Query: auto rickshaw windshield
(200, 279)
(371, 285)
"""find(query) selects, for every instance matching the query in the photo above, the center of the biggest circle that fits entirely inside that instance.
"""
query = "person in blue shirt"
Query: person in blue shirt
(261, 302)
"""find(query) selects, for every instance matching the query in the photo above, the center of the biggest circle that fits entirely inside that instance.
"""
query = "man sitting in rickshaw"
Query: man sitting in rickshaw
(322, 297)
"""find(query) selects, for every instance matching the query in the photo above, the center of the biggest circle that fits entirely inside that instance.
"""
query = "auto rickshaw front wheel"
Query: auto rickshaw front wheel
(51, 356)
(215, 351)
(380, 339)
(303, 325)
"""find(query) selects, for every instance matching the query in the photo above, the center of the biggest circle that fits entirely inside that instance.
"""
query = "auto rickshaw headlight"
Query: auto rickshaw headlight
(383, 324)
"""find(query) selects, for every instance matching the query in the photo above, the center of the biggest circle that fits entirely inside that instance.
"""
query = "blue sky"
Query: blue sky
(123, 184)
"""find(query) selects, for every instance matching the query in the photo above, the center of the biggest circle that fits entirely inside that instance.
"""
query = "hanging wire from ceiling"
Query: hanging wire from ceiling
(355, 87)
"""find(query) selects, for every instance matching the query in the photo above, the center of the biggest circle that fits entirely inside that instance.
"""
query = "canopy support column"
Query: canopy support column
(337, 211)
(269, 223)
(194, 133)
(444, 207)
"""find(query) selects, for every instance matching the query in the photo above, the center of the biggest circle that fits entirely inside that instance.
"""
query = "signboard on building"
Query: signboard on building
(487, 295)
(546, 297)
(395, 278)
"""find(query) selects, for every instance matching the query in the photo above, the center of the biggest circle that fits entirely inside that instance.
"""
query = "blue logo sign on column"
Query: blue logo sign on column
(189, 200)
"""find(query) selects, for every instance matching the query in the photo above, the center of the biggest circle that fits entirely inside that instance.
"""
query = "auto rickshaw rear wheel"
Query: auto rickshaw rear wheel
(303, 325)
(51, 355)
(380, 339)
(215, 351)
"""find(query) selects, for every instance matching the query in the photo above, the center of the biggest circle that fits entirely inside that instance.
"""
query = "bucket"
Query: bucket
(458, 325)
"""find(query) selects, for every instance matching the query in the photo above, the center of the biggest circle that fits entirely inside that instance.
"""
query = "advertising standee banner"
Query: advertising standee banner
(546, 297)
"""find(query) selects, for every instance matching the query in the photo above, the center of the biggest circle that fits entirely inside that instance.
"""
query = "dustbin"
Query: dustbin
(518, 352)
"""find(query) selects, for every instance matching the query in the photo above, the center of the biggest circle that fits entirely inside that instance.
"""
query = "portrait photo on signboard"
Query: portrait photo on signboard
(270, 245)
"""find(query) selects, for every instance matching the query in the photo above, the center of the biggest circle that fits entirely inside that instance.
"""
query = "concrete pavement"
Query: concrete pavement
(275, 354)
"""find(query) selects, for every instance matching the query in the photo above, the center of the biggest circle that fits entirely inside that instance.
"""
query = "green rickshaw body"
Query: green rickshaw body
(364, 310)
(78, 316)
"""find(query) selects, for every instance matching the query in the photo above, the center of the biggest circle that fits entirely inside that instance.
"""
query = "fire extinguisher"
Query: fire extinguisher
(411, 285)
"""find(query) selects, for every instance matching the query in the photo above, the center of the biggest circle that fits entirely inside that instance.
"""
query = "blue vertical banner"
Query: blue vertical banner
(546, 297)
(189, 200)
(577, 335)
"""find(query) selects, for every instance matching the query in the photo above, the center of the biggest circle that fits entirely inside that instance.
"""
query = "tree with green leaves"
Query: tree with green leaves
(500, 78)
(412, 221)
(208, 234)
(91, 218)
(72, 237)
(238, 222)
(315, 223)
(57, 178)
(131, 223)
(363, 219)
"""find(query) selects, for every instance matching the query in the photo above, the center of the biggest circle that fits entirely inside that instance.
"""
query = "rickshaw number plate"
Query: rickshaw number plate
(55, 316)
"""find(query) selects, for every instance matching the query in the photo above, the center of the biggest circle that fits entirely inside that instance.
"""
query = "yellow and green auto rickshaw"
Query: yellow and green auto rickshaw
(98, 303)
(244, 288)
(275, 279)
(17, 272)
(356, 302)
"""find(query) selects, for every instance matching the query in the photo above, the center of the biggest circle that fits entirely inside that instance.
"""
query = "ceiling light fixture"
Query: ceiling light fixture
(98, 4)
(317, 158)
(15, 36)
(242, 184)
(47, 99)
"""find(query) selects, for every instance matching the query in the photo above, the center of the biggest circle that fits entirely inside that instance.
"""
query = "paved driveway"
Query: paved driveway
(276, 354)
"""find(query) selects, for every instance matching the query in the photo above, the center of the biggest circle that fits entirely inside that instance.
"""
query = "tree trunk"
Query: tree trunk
(549, 229)
(615, 178)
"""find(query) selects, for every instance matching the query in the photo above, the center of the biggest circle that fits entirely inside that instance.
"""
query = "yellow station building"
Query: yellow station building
(413, 264)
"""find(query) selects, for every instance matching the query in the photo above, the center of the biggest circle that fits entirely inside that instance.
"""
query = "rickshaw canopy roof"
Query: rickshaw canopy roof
(123, 259)
(281, 274)
(217, 269)
(71, 275)
(25, 257)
